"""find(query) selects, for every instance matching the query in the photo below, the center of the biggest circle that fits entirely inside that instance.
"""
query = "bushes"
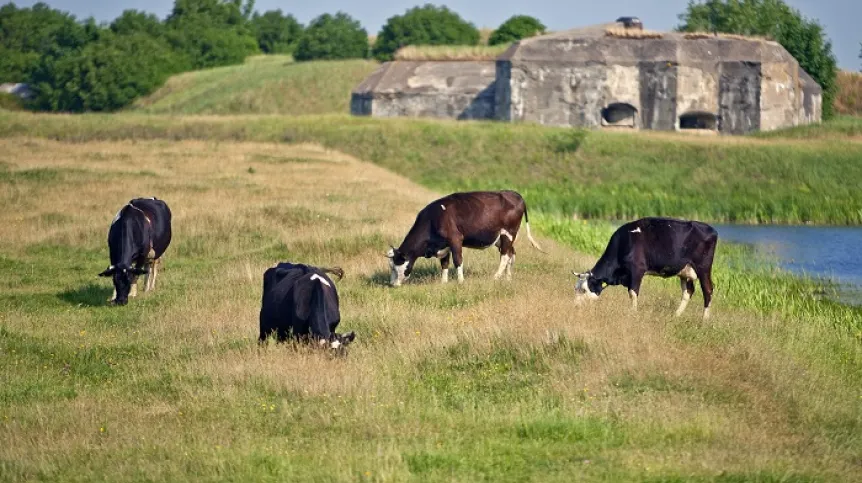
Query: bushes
(426, 25)
(516, 28)
(330, 37)
(105, 75)
(276, 33)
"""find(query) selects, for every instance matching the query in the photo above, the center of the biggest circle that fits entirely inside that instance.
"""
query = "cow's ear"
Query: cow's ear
(348, 337)
(108, 271)
(391, 252)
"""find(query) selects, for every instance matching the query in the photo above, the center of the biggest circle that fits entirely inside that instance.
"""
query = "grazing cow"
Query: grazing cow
(655, 246)
(137, 238)
(474, 220)
(301, 300)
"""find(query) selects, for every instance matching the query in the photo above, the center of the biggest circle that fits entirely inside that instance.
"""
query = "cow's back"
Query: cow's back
(667, 244)
(160, 218)
(294, 299)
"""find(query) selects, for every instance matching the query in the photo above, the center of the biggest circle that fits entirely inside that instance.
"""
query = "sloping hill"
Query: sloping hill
(263, 85)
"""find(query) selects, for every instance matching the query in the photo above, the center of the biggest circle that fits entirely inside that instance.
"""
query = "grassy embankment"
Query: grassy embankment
(272, 84)
(485, 381)
(608, 175)
(849, 98)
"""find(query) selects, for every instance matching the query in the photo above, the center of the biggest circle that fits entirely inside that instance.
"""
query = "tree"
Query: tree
(134, 21)
(516, 28)
(426, 25)
(803, 38)
(329, 37)
(26, 34)
(276, 33)
(105, 75)
(211, 33)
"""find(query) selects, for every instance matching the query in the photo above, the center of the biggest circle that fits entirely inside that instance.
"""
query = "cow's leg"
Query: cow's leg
(635, 288)
(511, 264)
(706, 288)
(506, 241)
(687, 286)
(151, 275)
(458, 259)
(444, 266)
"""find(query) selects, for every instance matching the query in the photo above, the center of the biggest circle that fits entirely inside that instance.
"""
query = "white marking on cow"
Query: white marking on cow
(634, 296)
(445, 277)
(461, 274)
(321, 279)
(636, 230)
(335, 344)
(504, 262)
(443, 253)
(509, 267)
(443, 206)
(322, 342)
(706, 313)
(114, 296)
(396, 275)
(582, 289)
(506, 234)
(688, 273)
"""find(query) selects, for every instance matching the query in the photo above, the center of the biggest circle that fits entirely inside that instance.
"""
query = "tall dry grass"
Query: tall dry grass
(500, 381)
(848, 101)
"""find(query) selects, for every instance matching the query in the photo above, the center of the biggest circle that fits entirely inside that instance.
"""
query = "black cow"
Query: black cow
(137, 238)
(301, 300)
(474, 220)
(655, 246)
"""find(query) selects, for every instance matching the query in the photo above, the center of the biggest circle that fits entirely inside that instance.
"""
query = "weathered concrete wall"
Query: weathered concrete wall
(658, 86)
(697, 89)
(779, 96)
(569, 95)
(622, 87)
(449, 90)
(739, 97)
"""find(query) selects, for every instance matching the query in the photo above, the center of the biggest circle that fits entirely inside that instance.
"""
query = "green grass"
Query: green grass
(263, 85)
(479, 382)
(780, 179)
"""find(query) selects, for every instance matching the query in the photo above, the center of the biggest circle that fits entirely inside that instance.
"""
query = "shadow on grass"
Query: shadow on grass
(90, 295)
(419, 275)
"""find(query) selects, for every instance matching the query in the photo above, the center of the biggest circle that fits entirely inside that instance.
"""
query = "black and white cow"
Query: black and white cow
(664, 247)
(137, 238)
(476, 219)
(301, 301)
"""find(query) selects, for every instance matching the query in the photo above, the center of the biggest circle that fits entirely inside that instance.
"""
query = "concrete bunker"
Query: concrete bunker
(616, 75)
(619, 114)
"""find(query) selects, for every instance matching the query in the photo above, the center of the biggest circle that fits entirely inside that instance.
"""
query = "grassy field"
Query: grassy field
(849, 98)
(272, 84)
(485, 381)
(805, 175)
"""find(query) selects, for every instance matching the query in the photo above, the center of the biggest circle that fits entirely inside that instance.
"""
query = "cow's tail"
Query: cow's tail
(530, 235)
(337, 271)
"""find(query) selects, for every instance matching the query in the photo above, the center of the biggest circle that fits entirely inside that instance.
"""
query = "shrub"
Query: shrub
(276, 33)
(134, 21)
(211, 33)
(426, 25)
(331, 37)
(803, 38)
(516, 28)
(105, 75)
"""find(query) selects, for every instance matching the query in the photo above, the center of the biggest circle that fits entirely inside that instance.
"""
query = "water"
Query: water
(828, 252)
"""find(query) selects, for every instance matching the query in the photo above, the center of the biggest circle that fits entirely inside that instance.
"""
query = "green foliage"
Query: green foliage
(105, 75)
(516, 28)
(135, 21)
(211, 33)
(330, 37)
(426, 25)
(26, 34)
(802, 37)
(276, 32)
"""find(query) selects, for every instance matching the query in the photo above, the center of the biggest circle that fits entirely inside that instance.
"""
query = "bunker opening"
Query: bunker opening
(703, 121)
(619, 114)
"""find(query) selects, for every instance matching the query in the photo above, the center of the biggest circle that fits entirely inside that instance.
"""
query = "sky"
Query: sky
(841, 18)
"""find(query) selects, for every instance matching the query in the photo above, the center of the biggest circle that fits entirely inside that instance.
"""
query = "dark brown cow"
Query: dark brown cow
(474, 220)
(664, 247)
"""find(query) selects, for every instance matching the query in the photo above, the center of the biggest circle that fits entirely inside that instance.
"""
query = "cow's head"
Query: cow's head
(587, 286)
(123, 276)
(400, 267)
